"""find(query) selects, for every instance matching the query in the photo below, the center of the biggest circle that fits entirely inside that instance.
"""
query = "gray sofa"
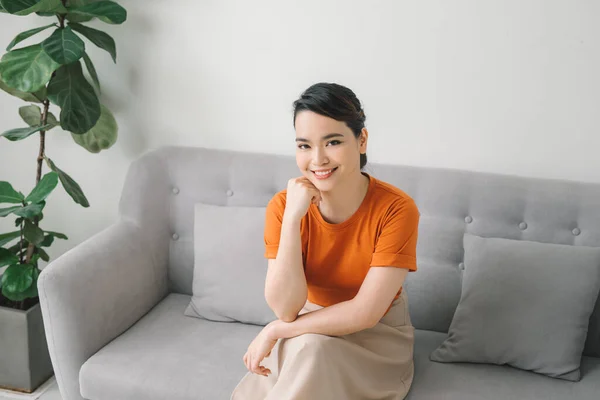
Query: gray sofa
(113, 306)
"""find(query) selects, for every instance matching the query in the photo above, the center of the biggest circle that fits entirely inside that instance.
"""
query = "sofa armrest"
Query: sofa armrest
(93, 293)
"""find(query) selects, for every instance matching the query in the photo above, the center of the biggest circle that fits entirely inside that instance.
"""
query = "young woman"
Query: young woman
(339, 244)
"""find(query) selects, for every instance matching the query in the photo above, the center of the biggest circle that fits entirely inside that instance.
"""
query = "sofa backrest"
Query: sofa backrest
(163, 185)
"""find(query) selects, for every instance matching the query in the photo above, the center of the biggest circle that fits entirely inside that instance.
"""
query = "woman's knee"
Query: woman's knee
(308, 340)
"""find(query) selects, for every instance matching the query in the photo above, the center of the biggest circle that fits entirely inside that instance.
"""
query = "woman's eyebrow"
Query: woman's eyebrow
(328, 136)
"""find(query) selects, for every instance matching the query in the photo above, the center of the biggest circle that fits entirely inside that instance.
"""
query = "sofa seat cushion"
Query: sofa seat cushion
(469, 381)
(167, 355)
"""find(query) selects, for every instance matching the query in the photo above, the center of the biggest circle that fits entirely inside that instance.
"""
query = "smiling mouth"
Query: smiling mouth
(324, 174)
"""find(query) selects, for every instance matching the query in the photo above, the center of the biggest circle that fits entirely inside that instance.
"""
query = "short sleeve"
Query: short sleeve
(273, 221)
(396, 245)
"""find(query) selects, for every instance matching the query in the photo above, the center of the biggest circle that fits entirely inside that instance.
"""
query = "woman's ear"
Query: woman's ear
(362, 140)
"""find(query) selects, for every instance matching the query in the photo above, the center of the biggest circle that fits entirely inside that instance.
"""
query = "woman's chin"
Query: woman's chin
(323, 186)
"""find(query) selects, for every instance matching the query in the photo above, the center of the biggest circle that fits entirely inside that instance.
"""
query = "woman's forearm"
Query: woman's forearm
(285, 285)
(339, 319)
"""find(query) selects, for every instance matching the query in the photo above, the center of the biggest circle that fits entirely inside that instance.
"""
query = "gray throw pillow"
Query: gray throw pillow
(229, 265)
(525, 304)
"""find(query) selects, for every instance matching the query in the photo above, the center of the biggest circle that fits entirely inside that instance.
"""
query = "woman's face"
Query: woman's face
(327, 152)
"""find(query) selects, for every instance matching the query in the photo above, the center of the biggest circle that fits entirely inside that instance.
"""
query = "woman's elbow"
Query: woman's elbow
(287, 317)
(283, 314)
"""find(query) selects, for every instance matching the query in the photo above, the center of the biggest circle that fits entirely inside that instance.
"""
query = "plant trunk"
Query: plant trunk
(40, 160)
(21, 305)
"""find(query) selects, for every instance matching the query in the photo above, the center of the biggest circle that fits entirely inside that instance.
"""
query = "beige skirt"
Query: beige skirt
(375, 363)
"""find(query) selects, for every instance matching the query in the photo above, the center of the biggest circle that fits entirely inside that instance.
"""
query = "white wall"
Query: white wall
(507, 86)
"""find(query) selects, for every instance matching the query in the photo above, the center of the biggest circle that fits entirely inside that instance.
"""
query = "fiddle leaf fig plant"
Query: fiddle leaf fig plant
(49, 73)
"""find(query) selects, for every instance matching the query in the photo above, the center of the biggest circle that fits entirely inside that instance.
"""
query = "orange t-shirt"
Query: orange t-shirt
(382, 232)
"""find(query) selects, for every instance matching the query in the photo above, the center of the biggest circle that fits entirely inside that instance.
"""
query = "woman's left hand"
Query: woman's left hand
(260, 348)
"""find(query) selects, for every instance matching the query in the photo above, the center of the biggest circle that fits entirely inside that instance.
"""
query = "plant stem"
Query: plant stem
(21, 243)
(61, 17)
(40, 159)
(42, 154)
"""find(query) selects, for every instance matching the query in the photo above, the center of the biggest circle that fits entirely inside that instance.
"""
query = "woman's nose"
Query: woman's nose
(319, 157)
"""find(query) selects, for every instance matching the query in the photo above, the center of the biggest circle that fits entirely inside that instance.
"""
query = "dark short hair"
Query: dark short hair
(334, 101)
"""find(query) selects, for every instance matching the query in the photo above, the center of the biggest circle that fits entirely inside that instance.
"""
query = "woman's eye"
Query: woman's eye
(303, 146)
(335, 142)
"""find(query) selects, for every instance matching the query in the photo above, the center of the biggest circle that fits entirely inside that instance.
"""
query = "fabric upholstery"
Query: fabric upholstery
(101, 287)
(93, 293)
(525, 304)
(167, 355)
(451, 203)
(163, 185)
(229, 267)
(468, 381)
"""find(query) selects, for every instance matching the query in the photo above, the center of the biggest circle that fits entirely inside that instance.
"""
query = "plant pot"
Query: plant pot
(24, 359)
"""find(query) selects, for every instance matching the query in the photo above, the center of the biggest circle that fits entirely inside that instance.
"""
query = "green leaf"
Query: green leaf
(79, 3)
(70, 186)
(22, 133)
(31, 210)
(47, 242)
(32, 114)
(57, 235)
(7, 258)
(99, 38)
(40, 94)
(18, 221)
(17, 278)
(33, 233)
(7, 211)
(51, 6)
(44, 187)
(31, 285)
(64, 46)
(76, 17)
(8, 237)
(107, 11)
(36, 97)
(27, 69)
(24, 35)
(43, 255)
(9, 195)
(19, 6)
(80, 107)
(16, 248)
(15, 296)
(92, 70)
(102, 136)
(34, 257)
(33, 291)
(2, 9)
(26, 7)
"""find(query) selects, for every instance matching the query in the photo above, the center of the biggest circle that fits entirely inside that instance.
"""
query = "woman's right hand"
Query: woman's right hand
(300, 194)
